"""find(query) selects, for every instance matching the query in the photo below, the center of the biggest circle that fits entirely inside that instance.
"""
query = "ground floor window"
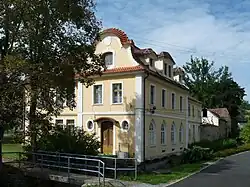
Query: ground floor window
(163, 133)
(173, 133)
(152, 133)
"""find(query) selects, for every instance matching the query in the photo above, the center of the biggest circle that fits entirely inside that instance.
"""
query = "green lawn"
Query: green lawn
(11, 148)
(176, 173)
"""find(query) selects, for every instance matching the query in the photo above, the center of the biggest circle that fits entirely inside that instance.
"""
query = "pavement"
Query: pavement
(232, 171)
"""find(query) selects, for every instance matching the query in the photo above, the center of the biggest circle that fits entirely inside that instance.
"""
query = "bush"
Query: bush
(67, 140)
(228, 152)
(245, 133)
(216, 145)
(196, 154)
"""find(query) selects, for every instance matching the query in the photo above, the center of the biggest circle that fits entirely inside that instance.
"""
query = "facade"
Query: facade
(138, 106)
(216, 125)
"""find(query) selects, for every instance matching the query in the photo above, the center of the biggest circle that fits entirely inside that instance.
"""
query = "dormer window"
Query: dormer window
(151, 62)
(165, 69)
(170, 71)
(108, 59)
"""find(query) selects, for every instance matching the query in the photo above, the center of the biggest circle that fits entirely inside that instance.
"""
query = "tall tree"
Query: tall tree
(214, 87)
(56, 41)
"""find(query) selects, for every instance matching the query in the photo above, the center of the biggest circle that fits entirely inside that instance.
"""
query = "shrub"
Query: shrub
(231, 151)
(216, 145)
(67, 140)
(245, 133)
(196, 154)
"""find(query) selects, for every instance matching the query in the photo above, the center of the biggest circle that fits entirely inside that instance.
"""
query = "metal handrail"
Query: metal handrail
(42, 163)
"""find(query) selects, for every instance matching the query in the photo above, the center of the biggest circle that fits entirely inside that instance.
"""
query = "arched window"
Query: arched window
(163, 133)
(108, 59)
(173, 136)
(152, 133)
(181, 134)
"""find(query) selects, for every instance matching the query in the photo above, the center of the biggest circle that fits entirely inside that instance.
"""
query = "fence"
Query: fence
(69, 164)
(111, 163)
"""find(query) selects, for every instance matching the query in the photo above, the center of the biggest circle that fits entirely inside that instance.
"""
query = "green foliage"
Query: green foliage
(245, 133)
(196, 154)
(228, 152)
(216, 145)
(67, 140)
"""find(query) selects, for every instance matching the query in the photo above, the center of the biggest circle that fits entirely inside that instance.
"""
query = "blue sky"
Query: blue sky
(215, 29)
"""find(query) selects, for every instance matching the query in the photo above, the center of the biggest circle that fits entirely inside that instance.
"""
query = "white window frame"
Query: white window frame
(113, 52)
(154, 99)
(173, 133)
(152, 133)
(122, 129)
(163, 133)
(181, 134)
(165, 98)
(93, 95)
(90, 120)
(172, 101)
(111, 91)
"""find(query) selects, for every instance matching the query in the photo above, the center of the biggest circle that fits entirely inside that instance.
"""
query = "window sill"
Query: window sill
(152, 146)
(117, 104)
(101, 104)
(163, 145)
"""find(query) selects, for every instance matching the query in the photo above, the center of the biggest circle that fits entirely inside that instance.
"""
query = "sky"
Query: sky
(218, 30)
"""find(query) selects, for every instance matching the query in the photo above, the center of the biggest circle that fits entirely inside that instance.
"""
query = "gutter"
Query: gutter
(144, 116)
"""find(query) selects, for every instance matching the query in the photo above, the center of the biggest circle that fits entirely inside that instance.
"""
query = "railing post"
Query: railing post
(135, 169)
(19, 160)
(42, 162)
(99, 173)
(115, 169)
(68, 168)
(59, 161)
(103, 177)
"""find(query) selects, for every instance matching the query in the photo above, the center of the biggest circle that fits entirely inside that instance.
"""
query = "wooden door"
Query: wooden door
(107, 137)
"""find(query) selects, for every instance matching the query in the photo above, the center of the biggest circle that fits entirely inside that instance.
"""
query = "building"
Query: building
(139, 105)
(216, 125)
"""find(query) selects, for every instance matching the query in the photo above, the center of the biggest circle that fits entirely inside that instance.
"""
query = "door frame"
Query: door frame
(114, 134)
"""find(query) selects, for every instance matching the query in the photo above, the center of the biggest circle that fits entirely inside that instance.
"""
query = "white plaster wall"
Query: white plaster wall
(210, 119)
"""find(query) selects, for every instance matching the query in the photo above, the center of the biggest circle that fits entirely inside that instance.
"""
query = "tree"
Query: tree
(215, 88)
(55, 40)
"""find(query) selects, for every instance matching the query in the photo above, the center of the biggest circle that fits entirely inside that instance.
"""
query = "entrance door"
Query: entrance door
(107, 137)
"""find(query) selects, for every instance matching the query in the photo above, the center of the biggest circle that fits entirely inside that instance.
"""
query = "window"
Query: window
(151, 62)
(165, 69)
(125, 125)
(70, 123)
(169, 71)
(189, 108)
(173, 138)
(181, 134)
(198, 113)
(193, 110)
(59, 122)
(97, 94)
(152, 133)
(152, 95)
(194, 132)
(173, 101)
(108, 59)
(189, 131)
(163, 97)
(117, 93)
(181, 109)
(90, 125)
(163, 133)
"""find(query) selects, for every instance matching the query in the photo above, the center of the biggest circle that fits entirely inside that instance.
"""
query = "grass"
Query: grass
(176, 173)
(11, 148)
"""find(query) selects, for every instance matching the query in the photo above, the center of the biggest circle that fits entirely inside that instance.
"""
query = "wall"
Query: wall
(211, 119)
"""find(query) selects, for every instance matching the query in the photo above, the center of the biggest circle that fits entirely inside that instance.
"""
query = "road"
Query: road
(230, 172)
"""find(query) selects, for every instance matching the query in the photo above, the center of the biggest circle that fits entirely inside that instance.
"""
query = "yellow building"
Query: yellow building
(138, 106)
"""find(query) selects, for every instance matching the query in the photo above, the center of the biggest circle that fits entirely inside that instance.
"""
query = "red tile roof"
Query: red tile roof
(120, 34)
(124, 69)
(221, 112)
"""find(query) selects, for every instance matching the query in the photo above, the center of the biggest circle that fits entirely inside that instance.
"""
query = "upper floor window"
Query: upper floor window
(189, 108)
(152, 133)
(181, 103)
(163, 98)
(173, 101)
(193, 110)
(152, 95)
(165, 69)
(108, 59)
(151, 63)
(97, 94)
(117, 93)
(169, 71)
(163, 133)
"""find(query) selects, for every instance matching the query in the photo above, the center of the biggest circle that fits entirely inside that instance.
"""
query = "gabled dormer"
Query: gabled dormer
(178, 74)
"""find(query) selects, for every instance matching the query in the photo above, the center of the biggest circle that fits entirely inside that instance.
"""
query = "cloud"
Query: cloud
(219, 31)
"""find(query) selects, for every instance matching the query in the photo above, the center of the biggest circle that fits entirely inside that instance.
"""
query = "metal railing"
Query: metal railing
(65, 163)
(111, 163)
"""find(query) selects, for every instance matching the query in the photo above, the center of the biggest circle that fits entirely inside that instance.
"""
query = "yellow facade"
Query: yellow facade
(118, 106)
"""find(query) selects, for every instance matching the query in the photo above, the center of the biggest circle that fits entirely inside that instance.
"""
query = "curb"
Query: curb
(203, 168)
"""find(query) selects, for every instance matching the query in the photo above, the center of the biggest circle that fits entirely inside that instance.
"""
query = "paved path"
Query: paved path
(230, 172)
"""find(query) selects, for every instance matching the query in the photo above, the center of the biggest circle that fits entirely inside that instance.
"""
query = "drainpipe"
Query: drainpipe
(144, 116)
